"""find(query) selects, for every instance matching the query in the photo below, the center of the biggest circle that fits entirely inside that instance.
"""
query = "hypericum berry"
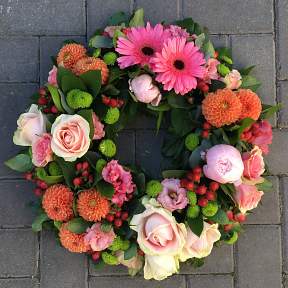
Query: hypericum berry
(54, 109)
(105, 100)
(42, 91)
(206, 126)
(210, 195)
(197, 170)
(43, 185)
(230, 215)
(110, 217)
(42, 101)
(210, 209)
(214, 186)
(120, 103)
(196, 178)
(113, 103)
(28, 176)
(118, 214)
(190, 175)
(79, 166)
(201, 190)
(227, 227)
(85, 173)
(141, 253)
(118, 223)
(90, 179)
(193, 211)
(240, 217)
(85, 165)
(183, 183)
(190, 185)
(38, 192)
(202, 202)
(96, 256)
(77, 181)
(124, 215)
(46, 110)
(205, 134)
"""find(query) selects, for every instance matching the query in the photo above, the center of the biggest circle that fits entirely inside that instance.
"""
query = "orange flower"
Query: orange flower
(221, 108)
(91, 63)
(57, 202)
(72, 241)
(92, 206)
(70, 54)
(251, 104)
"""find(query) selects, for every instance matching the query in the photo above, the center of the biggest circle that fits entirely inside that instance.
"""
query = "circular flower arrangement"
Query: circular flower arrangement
(216, 139)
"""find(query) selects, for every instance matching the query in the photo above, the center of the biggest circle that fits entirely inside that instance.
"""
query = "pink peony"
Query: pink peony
(211, 72)
(121, 180)
(52, 78)
(247, 197)
(176, 31)
(254, 165)
(224, 164)
(98, 127)
(144, 89)
(233, 80)
(172, 197)
(98, 239)
(41, 150)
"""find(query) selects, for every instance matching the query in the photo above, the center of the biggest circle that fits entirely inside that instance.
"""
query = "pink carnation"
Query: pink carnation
(98, 127)
(211, 72)
(172, 197)
(121, 180)
(52, 78)
(41, 150)
(98, 239)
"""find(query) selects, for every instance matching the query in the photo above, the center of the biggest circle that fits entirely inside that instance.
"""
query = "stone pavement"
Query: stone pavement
(32, 30)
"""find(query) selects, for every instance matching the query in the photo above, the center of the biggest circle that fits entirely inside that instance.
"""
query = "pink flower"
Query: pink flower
(110, 30)
(224, 164)
(247, 197)
(144, 89)
(41, 150)
(140, 45)
(233, 80)
(121, 180)
(98, 239)
(52, 78)
(211, 72)
(98, 127)
(178, 65)
(254, 165)
(172, 197)
(177, 31)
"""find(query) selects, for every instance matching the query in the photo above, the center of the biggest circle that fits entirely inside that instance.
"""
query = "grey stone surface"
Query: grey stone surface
(285, 281)
(18, 283)
(19, 59)
(118, 270)
(210, 281)
(284, 189)
(232, 16)
(60, 268)
(49, 17)
(126, 147)
(220, 40)
(259, 257)
(283, 98)
(18, 253)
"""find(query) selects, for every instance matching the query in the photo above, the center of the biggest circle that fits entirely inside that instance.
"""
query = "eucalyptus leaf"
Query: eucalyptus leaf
(92, 80)
(174, 173)
(137, 19)
(269, 110)
(160, 108)
(64, 103)
(250, 82)
(100, 41)
(220, 217)
(106, 189)
(131, 251)
(265, 186)
(38, 222)
(77, 225)
(42, 175)
(20, 163)
(87, 114)
(117, 19)
(68, 170)
(196, 225)
(55, 97)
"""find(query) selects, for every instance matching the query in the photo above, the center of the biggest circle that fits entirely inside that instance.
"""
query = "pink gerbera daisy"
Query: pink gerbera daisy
(140, 45)
(178, 65)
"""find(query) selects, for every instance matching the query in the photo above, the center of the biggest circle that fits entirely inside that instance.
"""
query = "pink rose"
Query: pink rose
(224, 164)
(98, 127)
(247, 197)
(254, 165)
(144, 89)
(172, 197)
(120, 179)
(52, 78)
(211, 72)
(41, 150)
(233, 80)
(70, 137)
(98, 239)
(202, 246)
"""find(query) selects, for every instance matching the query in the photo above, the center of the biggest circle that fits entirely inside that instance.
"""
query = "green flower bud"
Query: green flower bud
(109, 258)
(100, 164)
(192, 197)
(233, 238)
(54, 169)
(153, 188)
(210, 210)
(223, 69)
(96, 52)
(192, 141)
(107, 147)
(193, 211)
(116, 244)
(77, 99)
(112, 116)
(110, 58)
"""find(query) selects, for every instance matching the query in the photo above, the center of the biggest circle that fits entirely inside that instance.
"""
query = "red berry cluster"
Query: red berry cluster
(112, 102)
(41, 185)
(45, 102)
(83, 175)
(117, 217)
(203, 86)
(239, 217)
(206, 130)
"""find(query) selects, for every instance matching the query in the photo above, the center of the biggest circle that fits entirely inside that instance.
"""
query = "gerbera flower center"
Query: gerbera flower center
(148, 51)
(179, 64)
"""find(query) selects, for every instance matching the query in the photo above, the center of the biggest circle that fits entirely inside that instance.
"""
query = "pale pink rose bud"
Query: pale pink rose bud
(144, 90)
(224, 164)
(52, 78)
(211, 72)
(233, 80)
(98, 127)
(247, 197)
(133, 264)
(41, 150)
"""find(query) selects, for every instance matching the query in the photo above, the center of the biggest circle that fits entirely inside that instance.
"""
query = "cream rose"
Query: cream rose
(200, 247)
(30, 125)
(70, 137)
(134, 264)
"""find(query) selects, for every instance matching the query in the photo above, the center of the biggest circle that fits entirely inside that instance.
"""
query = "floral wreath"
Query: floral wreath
(216, 139)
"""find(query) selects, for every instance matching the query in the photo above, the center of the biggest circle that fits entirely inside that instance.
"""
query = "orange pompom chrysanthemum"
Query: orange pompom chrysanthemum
(72, 241)
(70, 54)
(251, 104)
(57, 202)
(92, 206)
(221, 108)
(91, 63)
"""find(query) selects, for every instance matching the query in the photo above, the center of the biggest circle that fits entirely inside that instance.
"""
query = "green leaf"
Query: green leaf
(131, 251)
(195, 157)
(87, 115)
(226, 59)
(177, 101)
(208, 48)
(269, 110)
(174, 173)
(100, 41)
(137, 19)
(220, 217)
(64, 104)
(77, 225)
(140, 181)
(106, 189)
(68, 170)
(118, 33)
(160, 108)
(92, 80)
(55, 97)
(191, 26)
(58, 224)
(265, 186)
(68, 81)
(42, 175)
(200, 40)
(117, 19)
(245, 123)
(159, 120)
(224, 51)
(180, 122)
(215, 85)
(250, 82)
(38, 222)
(20, 163)
(196, 225)
(247, 70)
